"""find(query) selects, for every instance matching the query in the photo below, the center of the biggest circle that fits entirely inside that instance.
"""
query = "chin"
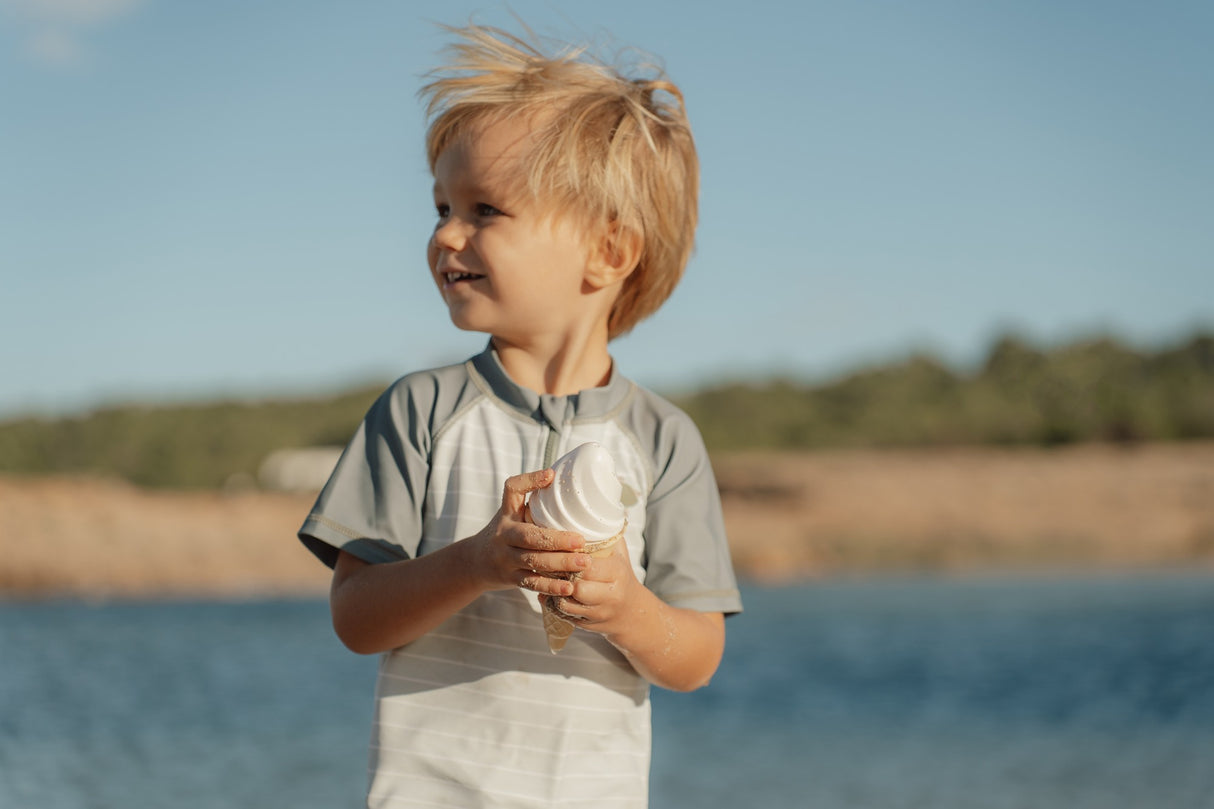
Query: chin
(463, 327)
(464, 323)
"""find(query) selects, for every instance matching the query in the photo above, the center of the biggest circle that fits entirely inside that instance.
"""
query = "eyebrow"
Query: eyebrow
(472, 189)
(505, 197)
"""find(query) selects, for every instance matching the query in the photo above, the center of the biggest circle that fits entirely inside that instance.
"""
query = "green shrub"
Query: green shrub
(1089, 390)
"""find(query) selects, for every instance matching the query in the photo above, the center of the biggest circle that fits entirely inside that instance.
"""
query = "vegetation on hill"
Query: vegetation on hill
(1090, 390)
(181, 446)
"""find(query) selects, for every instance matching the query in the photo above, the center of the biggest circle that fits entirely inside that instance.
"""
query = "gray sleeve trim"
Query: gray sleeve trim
(726, 601)
(324, 538)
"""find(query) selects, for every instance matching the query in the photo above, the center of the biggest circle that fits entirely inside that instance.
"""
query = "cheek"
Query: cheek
(558, 261)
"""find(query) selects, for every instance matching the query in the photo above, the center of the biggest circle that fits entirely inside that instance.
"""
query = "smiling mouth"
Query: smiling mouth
(452, 277)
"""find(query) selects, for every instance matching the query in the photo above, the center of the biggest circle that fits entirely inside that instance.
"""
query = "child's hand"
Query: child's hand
(604, 596)
(511, 552)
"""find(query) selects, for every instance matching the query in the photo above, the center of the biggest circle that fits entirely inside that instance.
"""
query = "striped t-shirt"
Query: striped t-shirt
(478, 712)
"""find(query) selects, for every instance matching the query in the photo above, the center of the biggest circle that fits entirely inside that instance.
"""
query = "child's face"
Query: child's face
(504, 265)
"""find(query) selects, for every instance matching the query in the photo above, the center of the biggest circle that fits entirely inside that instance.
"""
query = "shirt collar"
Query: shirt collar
(588, 403)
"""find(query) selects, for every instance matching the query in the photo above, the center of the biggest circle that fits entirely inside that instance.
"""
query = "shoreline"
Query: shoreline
(791, 517)
(977, 574)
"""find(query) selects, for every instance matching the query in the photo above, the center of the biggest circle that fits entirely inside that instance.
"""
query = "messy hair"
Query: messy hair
(606, 149)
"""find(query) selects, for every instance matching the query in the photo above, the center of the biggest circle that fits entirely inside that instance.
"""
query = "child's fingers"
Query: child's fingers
(517, 487)
(545, 585)
(591, 601)
(533, 538)
(611, 567)
(571, 608)
(589, 593)
(549, 563)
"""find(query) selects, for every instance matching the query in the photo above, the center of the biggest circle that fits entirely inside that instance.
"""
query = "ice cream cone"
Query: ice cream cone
(585, 497)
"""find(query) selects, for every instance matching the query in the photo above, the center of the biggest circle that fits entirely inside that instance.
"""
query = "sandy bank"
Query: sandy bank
(98, 538)
(970, 509)
(789, 516)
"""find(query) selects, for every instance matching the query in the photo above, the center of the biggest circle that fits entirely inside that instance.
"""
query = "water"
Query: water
(999, 694)
(1009, 693)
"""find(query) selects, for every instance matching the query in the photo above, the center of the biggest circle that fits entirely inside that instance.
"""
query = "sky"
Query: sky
(230, 199)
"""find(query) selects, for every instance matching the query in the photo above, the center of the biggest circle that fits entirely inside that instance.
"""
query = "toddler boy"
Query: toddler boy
(566, 203)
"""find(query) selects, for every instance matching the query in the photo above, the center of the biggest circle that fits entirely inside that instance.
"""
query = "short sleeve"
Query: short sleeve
(687, 552)
(371, 506)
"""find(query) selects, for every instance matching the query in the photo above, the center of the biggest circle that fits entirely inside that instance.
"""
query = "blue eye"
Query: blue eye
(443, 210)
(485, 209)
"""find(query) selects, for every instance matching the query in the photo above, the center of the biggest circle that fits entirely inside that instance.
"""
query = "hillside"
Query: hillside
(1095, 390)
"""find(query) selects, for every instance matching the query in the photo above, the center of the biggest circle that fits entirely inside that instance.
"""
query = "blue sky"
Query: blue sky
(229, 198)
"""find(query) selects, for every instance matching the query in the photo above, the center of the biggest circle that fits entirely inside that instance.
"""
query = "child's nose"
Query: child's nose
(451, 235)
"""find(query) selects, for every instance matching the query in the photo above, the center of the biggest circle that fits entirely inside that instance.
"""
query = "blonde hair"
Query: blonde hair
(607, 149)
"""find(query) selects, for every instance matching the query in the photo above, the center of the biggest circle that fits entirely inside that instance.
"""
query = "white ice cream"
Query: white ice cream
(584, 495)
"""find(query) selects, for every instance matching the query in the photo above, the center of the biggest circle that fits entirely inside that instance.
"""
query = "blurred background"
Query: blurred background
(948, 333)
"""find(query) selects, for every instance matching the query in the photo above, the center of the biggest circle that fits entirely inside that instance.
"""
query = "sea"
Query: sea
(1083, 691)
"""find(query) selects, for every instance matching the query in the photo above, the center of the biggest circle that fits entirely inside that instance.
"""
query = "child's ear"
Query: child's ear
(616, 255)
